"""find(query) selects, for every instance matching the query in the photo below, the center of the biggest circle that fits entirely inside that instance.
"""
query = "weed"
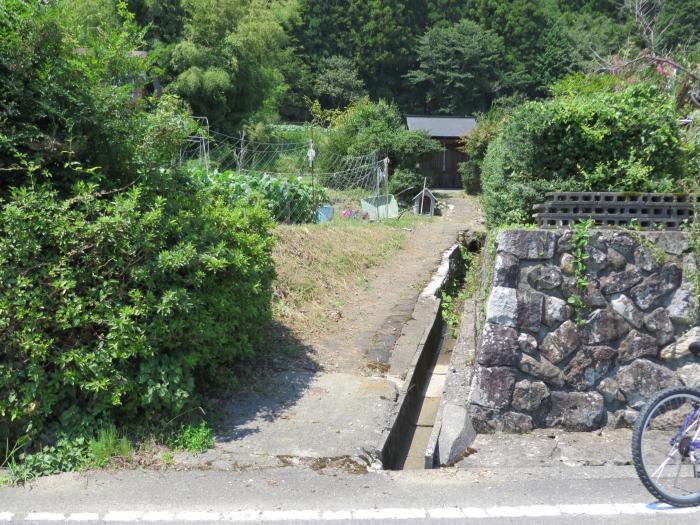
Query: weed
(580, 239)
(460, 290)
(168, 458)
(66, 454)
(106, 445)
(193, 438)
(694, 239)
(634, 229)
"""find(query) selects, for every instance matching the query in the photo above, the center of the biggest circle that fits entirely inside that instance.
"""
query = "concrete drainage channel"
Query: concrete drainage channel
(430, 426)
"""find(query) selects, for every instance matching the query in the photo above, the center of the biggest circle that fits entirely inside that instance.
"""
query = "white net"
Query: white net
(345, 182)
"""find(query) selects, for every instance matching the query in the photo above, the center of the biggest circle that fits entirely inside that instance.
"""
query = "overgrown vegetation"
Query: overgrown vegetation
(366, 126)
(577, 141)
(127, 288)
(461, 289)
(579, 241)
(193, 438)
(121, 309)
(287, 199)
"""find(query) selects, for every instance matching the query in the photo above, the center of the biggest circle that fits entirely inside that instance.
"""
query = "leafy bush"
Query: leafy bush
(583, 140)
(63, 455)
(476, 142)
(124, 308)
(69, 95)
(367, 126)
(288, 200)
(406, 183)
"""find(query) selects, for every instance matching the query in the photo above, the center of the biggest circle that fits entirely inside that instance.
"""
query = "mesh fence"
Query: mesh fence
(353, 186)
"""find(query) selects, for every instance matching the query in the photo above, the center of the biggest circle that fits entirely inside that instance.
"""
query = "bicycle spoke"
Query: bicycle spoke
(670, 474)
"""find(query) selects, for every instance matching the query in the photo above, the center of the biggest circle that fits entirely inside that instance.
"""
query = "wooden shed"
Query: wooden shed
(447, 130)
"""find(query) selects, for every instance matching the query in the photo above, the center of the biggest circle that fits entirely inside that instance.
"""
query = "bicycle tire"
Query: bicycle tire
(642, 426)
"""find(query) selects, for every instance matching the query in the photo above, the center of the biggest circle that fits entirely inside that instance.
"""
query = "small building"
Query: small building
(447, 130)
(424, 203)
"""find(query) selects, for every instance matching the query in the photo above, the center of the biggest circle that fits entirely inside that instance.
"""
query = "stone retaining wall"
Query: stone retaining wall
(542, 363)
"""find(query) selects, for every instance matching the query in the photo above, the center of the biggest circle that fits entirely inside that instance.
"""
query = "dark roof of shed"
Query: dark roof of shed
(441, 126)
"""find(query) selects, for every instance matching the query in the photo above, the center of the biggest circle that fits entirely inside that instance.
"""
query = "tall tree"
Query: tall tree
(337, 83)
(228, 67)
(378, 35)
(529, 29)
(459, 66)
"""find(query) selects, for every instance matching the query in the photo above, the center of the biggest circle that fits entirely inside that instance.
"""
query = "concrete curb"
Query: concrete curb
(427, 314)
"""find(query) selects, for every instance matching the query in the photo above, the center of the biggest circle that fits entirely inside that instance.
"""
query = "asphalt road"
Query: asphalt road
(542, 495)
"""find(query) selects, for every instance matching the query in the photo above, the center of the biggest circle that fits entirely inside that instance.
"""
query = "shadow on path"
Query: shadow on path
(274, 380)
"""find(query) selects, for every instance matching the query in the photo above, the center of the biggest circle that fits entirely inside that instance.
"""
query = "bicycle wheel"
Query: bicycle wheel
(666, 447)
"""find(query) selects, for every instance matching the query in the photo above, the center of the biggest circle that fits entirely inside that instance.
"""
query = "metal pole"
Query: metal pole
(422, 195)
(386, 184)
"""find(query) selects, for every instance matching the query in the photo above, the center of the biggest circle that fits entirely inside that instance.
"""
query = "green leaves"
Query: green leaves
(118, 309)
(459, 65)
(593, 135)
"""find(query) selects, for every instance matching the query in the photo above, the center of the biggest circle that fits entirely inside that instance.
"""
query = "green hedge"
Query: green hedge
(122, 308)
(614, 139)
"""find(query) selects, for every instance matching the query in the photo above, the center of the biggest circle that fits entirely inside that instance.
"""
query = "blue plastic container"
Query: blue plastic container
(325, 213)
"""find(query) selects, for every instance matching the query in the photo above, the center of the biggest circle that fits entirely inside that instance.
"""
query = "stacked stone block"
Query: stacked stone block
(543, 363)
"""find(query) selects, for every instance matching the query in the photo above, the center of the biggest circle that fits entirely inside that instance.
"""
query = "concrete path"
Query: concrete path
(341, 408)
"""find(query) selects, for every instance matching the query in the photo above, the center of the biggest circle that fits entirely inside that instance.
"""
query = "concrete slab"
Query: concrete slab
(305, 415)
(415, 460)
(436, 386)
(428, 412)
(550, 448)
(441, 368)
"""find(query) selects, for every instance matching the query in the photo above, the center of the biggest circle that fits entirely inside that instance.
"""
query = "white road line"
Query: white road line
(448, 513)
(83, 516)
(123, 515)
(336, 515)
(604, 509)
(242, 515)
(158, 516)
(258, 516)
(474, 512)
(290, 515)
(45, 516)
(198, 516)
(389, 514)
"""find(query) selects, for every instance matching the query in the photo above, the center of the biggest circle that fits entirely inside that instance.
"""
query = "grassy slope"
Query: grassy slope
(319, 265)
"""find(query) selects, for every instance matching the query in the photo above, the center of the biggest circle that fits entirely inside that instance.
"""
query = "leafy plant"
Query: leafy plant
(288, 200)
(124, 308)
(459, 291)
(406, 183)
(580, 238)
(66, 454)
(366, 126)
(194, 438)
(607, 139)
